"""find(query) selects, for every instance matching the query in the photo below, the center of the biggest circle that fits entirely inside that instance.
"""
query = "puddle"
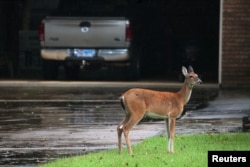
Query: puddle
(36, 134)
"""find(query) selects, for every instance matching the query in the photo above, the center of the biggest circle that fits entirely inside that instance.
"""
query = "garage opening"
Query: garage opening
(169, 34)
(166, 35)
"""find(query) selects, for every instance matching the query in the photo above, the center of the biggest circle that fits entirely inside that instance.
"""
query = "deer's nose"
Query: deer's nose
(199, 81)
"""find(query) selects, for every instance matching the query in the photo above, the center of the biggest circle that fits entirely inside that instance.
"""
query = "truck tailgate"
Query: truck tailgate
(85, 32)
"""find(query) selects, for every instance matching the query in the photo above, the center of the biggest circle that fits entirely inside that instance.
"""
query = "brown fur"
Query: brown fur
(139, 102)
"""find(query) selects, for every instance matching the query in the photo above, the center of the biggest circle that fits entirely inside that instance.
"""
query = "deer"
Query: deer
(139, 102)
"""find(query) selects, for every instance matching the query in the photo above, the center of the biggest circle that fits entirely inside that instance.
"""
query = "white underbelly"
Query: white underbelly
(156, 116)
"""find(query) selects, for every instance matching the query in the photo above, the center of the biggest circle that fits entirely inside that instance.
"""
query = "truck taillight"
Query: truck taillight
(41, 32)
(129, 34)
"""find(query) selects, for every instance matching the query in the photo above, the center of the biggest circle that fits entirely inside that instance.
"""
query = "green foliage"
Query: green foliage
(190, 150)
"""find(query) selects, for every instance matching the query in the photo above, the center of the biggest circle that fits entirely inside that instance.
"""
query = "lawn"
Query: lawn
(190, 151)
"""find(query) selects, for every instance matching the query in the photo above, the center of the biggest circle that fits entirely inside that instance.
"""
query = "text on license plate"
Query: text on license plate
(84, 52)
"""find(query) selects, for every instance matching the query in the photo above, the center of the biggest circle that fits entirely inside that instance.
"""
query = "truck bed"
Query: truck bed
(85, 32)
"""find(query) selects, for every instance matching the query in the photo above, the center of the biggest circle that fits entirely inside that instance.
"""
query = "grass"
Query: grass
(190, 151)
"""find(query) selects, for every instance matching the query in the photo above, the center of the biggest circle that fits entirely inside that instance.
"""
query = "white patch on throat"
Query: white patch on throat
(189, 96)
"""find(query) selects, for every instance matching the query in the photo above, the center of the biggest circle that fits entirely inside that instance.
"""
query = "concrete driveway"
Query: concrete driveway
(41, 121)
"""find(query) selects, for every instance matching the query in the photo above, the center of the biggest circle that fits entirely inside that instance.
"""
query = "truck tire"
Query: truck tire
(50, 69)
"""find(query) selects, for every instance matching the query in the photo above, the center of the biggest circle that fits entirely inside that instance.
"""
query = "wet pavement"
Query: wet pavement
(41, 121)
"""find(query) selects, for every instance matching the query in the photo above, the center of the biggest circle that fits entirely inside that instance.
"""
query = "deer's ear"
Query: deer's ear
(184, 71)
(190, 69)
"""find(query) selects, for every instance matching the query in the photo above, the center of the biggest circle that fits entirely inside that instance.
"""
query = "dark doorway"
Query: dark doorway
(9, 16)
(169, 34)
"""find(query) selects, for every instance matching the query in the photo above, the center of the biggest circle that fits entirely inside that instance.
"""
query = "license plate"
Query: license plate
(84, 52)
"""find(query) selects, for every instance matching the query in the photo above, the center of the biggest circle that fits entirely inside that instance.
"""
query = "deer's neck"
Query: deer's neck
(185, 92)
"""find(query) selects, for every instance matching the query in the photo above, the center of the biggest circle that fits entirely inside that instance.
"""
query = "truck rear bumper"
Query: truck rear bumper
(107, 55)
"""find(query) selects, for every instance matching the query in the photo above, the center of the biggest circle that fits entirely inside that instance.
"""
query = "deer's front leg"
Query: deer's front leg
(167, 122)
(170, 127)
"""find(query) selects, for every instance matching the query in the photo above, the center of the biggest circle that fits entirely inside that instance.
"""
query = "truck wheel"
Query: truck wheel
(50, 69)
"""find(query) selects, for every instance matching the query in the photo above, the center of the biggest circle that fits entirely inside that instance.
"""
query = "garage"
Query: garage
(167, 35)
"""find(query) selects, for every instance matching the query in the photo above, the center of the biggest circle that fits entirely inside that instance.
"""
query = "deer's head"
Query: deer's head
(190, 76)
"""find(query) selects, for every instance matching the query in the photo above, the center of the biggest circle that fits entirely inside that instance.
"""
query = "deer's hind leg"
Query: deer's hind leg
(119, 133)
(132, 121)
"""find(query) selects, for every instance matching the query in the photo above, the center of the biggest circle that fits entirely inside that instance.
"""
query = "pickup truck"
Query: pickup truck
(86, 43)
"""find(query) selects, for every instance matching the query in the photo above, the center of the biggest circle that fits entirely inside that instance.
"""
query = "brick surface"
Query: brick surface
(236, 43)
